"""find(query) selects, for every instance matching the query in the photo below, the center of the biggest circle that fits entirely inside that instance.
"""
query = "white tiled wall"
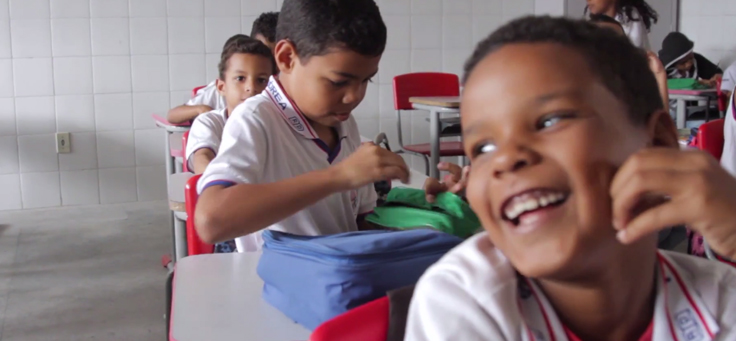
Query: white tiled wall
(711, 24)
(100, 68)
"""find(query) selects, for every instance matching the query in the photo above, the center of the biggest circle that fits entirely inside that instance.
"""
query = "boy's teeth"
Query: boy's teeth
(529, 202)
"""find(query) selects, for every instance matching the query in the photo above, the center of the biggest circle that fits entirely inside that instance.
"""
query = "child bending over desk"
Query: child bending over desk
(572, 175)
(291, 158)
(680, 60)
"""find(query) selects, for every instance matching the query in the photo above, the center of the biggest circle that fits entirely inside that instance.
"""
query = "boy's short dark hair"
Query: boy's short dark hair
(315, 26)
(620, 66)
(243, 45)
(232, 39)
(602, 18)
(265, 25)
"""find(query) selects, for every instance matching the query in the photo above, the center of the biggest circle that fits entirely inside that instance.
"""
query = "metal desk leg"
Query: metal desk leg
(681, 110)
(180, 238)
(434, 135)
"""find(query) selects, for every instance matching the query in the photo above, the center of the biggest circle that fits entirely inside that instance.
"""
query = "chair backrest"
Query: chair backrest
(195, 245)
(184, 139)
(368, 322)
(194, 91)
(710, 137)
(425, 84)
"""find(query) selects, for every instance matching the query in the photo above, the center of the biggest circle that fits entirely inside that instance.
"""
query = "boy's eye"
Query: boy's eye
(483, 148)
(549, 121)
(240, 78)
(262, 80)
(339, 84)
(369, 80)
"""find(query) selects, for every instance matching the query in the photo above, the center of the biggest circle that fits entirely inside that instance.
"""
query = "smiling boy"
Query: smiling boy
(291, 158)
(575, 167)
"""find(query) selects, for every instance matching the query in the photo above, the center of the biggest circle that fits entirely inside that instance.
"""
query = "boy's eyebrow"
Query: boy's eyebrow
(352, 76)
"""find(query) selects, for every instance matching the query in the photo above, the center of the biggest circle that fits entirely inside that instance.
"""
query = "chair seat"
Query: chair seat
(446, 149)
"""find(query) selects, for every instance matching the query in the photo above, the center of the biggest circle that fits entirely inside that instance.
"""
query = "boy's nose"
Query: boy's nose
(512, 159)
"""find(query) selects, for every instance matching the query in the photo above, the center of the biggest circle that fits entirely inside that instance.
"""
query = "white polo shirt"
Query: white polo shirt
(635, 30)
(209, 96)
(728, 82)
(266, 139)
(206, 132)
(473, 293)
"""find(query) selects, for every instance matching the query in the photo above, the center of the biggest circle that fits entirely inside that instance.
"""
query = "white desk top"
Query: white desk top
(218, 297)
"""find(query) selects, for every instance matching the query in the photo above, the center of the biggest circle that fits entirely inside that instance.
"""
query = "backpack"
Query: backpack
(314, 278)
(407, 208)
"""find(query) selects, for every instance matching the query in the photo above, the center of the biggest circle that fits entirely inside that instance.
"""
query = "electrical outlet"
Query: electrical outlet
(63, 143)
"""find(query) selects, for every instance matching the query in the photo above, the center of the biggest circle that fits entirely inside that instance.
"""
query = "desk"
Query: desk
(218, 297)
(682, 96)
(176, 184)
(435, 106)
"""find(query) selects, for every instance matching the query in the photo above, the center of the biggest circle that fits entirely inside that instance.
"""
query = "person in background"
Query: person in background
(681, 61)
(575, 168)
(655, 65)
(244, 69)
(264, 29)
(206, 99)
(636, 17)
(291, 158)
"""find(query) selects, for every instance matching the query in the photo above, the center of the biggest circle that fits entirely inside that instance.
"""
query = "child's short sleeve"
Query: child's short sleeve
(206, 133)
(729, 78)
(242, 155)
(208, 96)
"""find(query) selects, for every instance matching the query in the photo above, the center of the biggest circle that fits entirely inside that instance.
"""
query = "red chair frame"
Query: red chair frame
(368, 322)
(710, 137)
(424, 84)
(195, 245)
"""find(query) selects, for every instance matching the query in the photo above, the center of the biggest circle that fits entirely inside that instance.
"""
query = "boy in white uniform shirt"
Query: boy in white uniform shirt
(245, 67)
(291, 158)
(575, 167)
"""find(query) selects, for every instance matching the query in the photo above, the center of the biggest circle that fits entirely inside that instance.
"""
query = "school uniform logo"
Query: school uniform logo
(688, 325)
(296, 123)
(276, 94)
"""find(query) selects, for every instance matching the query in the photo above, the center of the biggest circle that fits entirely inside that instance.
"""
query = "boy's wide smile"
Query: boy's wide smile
(533, 208)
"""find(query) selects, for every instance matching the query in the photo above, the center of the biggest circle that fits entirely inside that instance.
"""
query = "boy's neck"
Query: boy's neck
(325, 133)
(610, 11)
(619, 298)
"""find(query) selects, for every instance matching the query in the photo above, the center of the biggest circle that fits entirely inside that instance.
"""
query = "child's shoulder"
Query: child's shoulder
(211, 118)
(257, 108)
(476, 267)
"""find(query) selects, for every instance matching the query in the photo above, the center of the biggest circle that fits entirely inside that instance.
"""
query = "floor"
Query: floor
(83, 273)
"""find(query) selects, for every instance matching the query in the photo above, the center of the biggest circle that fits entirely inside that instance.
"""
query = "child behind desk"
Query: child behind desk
(575, 167)
(680, 60)
(245, 66)
(291, 158)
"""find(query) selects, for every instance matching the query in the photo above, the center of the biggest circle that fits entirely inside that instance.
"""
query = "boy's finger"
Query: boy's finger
(395, 173)
(641, 191)
(665, 159)
(452, 168)
(652, 221)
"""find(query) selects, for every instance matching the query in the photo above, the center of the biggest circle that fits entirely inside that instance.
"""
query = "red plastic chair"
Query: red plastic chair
(194, 91)
(195, 245)
(710, 138)
(368, 322)
(426, 84)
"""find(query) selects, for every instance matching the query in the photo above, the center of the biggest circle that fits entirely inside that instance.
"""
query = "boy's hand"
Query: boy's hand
(655, 64)
(455, 182)
(369, 164)
(671, 187)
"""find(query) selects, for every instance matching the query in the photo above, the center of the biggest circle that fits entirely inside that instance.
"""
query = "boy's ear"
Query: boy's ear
(220, 85)
(285, 55)
(662, 130)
